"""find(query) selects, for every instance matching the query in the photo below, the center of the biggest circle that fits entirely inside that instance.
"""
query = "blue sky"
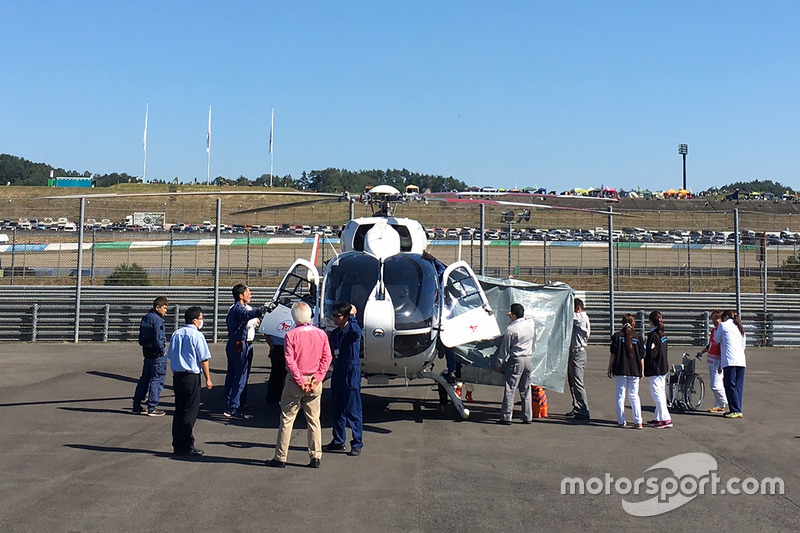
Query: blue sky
(549, 94)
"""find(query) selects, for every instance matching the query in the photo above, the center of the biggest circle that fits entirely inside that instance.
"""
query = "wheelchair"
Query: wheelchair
(685, 388)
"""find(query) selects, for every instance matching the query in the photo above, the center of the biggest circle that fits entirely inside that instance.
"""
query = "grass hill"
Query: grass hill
(715, 214)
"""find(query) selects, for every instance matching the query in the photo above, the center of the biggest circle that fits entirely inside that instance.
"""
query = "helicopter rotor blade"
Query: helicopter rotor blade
(191, 193)
(476, 201)
(487, 195)
(278, 207)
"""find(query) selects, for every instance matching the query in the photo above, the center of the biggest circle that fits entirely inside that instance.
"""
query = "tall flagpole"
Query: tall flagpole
(271, 129)
(208, 147)
(144, 171)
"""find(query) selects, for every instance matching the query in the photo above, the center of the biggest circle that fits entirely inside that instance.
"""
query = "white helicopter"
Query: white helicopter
(405, 308)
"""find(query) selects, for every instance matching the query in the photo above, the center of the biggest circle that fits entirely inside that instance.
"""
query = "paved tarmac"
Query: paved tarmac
(74, 459)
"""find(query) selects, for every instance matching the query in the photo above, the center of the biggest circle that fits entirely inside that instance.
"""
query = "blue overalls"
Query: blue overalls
(153, 341)
(237, 349)
(346, 383)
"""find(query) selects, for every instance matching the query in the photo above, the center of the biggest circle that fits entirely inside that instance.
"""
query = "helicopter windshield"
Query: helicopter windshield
(351, 279)
(462, 293)
(412, 283)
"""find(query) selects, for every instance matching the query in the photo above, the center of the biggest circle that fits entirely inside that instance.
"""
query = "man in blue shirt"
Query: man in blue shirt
(346, 380)
(153, 341)
(237, 348)
(188, 356)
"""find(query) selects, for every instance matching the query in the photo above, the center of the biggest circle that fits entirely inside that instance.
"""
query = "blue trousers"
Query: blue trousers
(151, 382)
(733, 379)
(235, 378)
(347, 411)
(243, 399)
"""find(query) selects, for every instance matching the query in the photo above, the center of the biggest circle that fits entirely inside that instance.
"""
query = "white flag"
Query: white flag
(208, 135)
(146, 112)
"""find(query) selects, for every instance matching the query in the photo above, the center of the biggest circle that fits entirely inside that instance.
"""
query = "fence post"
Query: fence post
(768, 329)
(642, 323)
(247, 265)
(106, 319)
(35, 323)
(738, 274)
(78, 277)
(610, 270)
(216, 269)
(91, 272)
(544, 258)
(482, 239)
(171, 246)
(13, 251)
(689, 262)
(177, 317)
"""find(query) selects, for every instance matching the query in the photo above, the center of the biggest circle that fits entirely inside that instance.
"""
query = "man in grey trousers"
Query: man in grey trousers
(577, 362)
(517, 350)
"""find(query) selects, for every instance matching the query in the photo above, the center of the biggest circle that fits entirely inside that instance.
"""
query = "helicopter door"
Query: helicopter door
(466, 314)
(299, 285)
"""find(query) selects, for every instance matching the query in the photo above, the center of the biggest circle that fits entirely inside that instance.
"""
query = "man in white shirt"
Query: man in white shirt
(517, 350)
(581, 328)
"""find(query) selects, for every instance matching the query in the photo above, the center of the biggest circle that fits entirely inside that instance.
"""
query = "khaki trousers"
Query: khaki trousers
(292, 399)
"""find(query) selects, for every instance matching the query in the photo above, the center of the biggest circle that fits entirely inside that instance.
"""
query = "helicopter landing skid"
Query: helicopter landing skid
(463, 412)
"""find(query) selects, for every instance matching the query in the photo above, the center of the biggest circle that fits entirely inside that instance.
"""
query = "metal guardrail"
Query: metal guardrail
(112, 314)
(686, 315)
(108, 314)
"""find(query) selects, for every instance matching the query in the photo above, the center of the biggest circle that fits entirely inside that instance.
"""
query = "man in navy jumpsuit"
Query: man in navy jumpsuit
(153, 340)
(237, 348)
(345, 342)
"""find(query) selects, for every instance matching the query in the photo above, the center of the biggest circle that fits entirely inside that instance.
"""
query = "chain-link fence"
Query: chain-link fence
(199, 241)
(174, 241)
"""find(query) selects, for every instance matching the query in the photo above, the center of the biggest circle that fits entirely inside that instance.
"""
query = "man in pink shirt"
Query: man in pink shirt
(308, 356)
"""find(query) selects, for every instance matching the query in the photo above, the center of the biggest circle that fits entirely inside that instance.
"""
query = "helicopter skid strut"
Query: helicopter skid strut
(463, 412)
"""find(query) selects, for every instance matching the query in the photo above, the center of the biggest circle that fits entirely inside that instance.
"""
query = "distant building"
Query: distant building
(70, 182)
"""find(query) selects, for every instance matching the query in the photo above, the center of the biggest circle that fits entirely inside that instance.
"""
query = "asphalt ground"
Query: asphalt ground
(74, 459)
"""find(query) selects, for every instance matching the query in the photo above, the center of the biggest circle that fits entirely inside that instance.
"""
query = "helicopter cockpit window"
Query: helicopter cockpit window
(351, 279)
(411, 282)
(405, 237)
(358, 239)
(461, 293)
(297, 289)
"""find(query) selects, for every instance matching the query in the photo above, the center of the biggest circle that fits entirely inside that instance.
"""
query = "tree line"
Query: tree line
(18, 171)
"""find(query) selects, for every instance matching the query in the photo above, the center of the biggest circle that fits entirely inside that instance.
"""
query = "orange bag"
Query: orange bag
(539, 402)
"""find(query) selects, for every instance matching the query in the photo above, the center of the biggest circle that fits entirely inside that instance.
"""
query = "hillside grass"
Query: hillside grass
(695, 214)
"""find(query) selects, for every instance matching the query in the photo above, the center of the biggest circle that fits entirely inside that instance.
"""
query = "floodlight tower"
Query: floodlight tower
(508, 217)
(683, 149)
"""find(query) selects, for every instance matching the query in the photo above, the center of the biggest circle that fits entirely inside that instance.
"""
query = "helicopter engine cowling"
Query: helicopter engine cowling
(411, 234)
(382, 240)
